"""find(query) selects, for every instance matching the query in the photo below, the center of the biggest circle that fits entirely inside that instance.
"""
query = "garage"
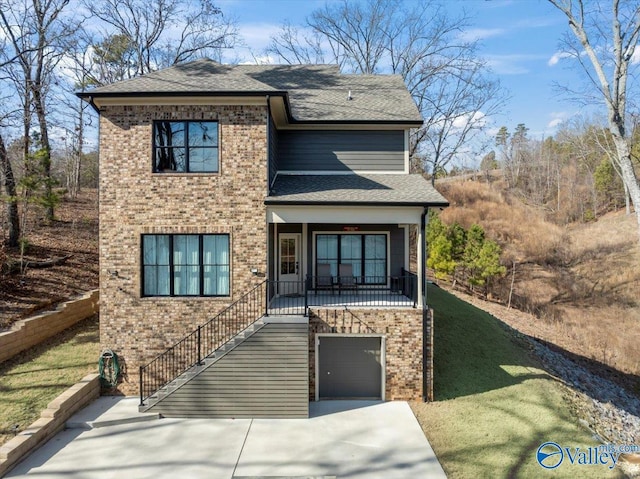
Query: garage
(349, 366)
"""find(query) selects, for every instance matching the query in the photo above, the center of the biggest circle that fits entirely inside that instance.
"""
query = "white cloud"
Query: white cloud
(555, 123)
(557, 119)
(512, 64)
(260, 60)
(478, 118)
(474, 34)
(257, 35)
(556, 57)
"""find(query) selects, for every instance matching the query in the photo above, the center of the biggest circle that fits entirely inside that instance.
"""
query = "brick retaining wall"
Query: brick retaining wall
(29, 332)
(52, 421)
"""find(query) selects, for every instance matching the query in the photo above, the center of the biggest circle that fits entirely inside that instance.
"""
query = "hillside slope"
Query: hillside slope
(74, 236)
(582, 281)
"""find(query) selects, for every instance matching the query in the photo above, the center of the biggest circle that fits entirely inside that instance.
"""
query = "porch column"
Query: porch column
(419, 272)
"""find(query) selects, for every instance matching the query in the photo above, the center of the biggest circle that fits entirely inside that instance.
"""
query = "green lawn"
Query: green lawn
(35, 377)
(494, 404)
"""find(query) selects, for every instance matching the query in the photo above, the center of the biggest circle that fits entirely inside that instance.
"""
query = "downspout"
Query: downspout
(425, 309)
(269, 159)
(266, 219)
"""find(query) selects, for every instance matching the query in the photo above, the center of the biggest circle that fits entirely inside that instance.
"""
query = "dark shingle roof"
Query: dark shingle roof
(386, 189)
(315, 92)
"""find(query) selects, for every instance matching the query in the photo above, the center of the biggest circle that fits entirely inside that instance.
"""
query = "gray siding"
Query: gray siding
(273, 150)
(265, 376)
(341, 150)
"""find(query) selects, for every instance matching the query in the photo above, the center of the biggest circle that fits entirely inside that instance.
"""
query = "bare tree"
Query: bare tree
(9, 186)
(610, 52)
(36, 31)
(293, 46)
(418, 41)
(146, 35)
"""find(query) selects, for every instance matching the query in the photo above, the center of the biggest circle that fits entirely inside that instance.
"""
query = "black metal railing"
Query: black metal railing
(213, 334)
(288, 298)
(363, 291)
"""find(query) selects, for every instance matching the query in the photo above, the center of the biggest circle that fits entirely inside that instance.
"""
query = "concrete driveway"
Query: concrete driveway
(355, 439)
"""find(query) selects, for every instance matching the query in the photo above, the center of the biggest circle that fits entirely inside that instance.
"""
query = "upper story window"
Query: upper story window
(185, 147)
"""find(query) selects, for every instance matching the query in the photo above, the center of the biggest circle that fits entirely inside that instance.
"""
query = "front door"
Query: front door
(289, 273)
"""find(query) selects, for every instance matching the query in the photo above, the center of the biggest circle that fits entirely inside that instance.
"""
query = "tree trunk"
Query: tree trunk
(45, 159)
(628, 174)
(9, 184)
(78, 151)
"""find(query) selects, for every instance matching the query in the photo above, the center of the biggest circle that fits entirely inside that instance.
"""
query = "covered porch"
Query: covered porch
(348, 240)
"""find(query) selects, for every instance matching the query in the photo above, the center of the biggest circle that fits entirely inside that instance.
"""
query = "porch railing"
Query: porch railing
(203, 341)
(288, 298)
(363, 291)
(295, 297)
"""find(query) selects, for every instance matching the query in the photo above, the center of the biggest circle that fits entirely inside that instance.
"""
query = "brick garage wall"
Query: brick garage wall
(135, 201)
(403, 331)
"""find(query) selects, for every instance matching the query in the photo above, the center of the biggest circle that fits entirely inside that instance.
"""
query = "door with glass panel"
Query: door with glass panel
(289, 274)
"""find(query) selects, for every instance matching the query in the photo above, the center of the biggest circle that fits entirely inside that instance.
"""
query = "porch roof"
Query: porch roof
(355, 190)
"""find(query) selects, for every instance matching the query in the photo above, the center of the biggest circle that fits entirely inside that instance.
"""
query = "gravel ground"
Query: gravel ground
(607, 409)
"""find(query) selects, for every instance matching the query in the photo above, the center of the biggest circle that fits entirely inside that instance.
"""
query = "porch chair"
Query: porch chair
(346, 279)
(324, 280)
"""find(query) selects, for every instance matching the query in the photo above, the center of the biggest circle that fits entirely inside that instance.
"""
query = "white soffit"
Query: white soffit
(344, 214)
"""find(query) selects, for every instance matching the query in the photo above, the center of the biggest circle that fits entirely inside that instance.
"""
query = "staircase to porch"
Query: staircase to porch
(251, 360)
(235, 365)
(193, 371)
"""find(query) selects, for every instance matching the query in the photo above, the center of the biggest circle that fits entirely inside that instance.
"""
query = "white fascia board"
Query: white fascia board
(344, 214)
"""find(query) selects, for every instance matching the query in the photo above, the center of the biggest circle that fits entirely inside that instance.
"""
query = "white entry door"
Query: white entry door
(289, 271)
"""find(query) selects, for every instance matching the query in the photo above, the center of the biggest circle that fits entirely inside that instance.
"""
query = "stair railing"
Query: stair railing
(213, 334)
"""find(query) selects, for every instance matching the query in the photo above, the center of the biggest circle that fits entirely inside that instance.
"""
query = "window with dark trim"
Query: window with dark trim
(366, 253)
(185, 147)
(185, 265)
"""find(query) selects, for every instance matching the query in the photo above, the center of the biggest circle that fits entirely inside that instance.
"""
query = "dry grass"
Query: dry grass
(522, 231)
(581, 282)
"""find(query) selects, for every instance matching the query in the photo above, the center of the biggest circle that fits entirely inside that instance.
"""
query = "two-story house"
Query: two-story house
(255, 238)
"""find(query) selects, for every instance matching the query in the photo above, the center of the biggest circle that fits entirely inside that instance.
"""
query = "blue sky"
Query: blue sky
(519, 39)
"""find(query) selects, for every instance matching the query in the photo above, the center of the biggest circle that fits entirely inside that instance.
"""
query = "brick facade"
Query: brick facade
(135, 201)
(402, 329)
